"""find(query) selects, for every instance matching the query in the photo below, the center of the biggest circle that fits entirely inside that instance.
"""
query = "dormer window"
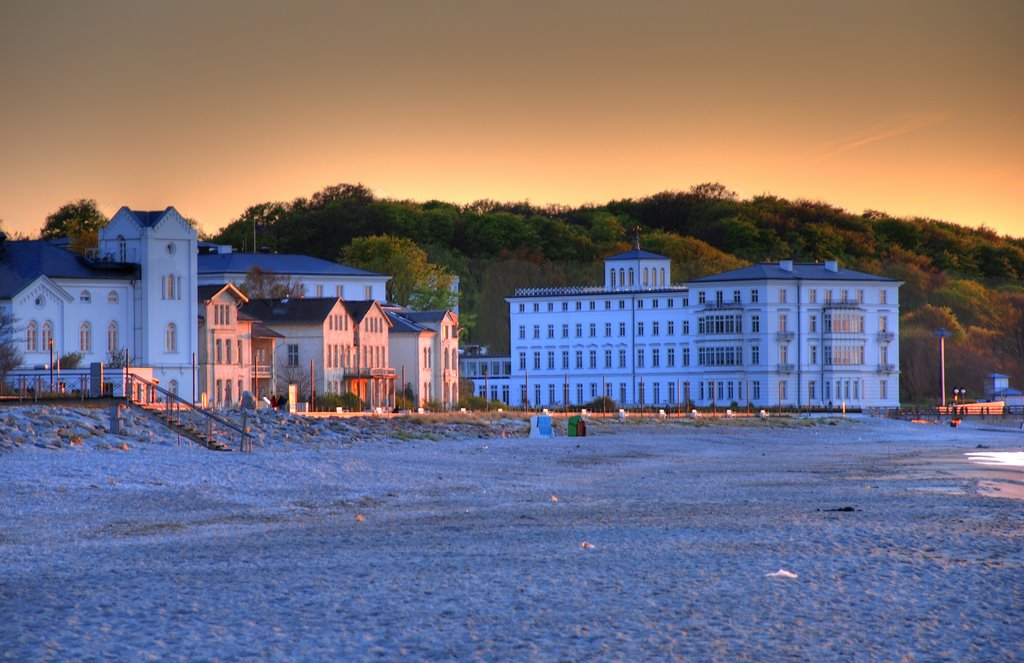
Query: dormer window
(112, 297)
(85, 297)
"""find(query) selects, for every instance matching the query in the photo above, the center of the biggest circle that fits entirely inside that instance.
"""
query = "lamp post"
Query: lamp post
(942, 334)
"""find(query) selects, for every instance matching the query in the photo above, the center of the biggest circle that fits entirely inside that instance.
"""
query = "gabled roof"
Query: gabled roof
(359, 308)
(308, 310)
(208, 292)
(147, 219)
(23, 261)
(772, 271)
(425, 316)
(637, 254)
(279, 263)
(402, 325)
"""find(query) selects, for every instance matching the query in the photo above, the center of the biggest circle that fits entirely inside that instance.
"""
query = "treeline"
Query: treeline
(962, 279)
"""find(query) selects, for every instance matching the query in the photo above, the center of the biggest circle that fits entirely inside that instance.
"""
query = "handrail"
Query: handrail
(176, 406)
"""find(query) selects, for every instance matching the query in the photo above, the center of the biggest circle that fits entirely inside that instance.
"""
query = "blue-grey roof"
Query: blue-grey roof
(148, 219)
(23, 261)
(402, 325)
(811, 271)
(637, 254)
(270, 311)
(420, 317)
(1008, 391)
(279, 263)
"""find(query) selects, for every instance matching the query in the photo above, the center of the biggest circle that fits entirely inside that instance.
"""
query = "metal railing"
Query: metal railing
(185, 415)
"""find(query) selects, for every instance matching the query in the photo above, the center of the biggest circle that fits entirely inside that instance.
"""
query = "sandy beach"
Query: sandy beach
(391, 541)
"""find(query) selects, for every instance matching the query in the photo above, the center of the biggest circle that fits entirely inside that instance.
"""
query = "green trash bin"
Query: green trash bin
(577, 426)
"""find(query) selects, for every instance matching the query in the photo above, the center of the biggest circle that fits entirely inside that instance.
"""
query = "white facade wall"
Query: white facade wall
(345, 287)
(645, 346)
(408, 353)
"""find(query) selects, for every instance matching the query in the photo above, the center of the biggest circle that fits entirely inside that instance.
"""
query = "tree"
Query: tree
(415, 282)
(266, 284)
(79, 221)
(10, 349)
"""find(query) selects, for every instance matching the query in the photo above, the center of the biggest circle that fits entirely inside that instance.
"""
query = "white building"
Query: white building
(218, 264)
(138, 296)
(771, 334)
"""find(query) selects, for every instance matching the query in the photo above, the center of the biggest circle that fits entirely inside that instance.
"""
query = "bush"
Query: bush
(479, 404)
(71, 360)
(601, 404)
(329, 401)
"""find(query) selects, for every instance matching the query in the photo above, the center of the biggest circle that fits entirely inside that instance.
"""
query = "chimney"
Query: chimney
(831, 266)
(786, 265)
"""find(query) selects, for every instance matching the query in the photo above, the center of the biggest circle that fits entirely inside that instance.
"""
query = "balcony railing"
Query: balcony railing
(785, 335)
(886, 336)
(786, 368)
(261, 372)
(887, 368)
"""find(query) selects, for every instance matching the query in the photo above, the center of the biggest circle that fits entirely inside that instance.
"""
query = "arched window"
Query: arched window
(631, 277)
(32, 337)
(613, 277)
(85, 297)
(85, 337)
(171, 338)
(662, 277)
(122, 249)
(47, 335)
(112, 337)
(112, 297)
(645, 276)
(172, 387)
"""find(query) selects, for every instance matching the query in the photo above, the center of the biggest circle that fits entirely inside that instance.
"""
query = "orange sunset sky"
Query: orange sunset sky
(912, 107)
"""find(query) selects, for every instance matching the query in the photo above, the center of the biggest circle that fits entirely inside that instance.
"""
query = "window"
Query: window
(883, 388)
(882, 297)
(367, 292)
(670, 357)
(607, 329)
(112, 297)
(671, 326)
(814, 354)
(755, 354)
(565, 359)
(702, 297)
(522, 307)
(639, 329)
(47, 335)
(171, 337)
(782, 323)
(754, 297)
(654, 328)
(593, 359)
(812, 322)
(593, 329)
(551, 331)
(536, 331)
(31, 337)
(655, 358)
(622, 358)
(640, 358)
(85, 297)
(536, 361)
(522, 361)
(755, 388)
(319, 289)
(293, 354)
(339, 291)
(755, 324)
(579, 359)
(686, 327)
(735, 296)
(536, 307)
(782, 295)
(883, 323)
(686, 356)
(593, 305)
(551, 307)
(219, 353)
(579, 329)
(812, 296)
(565, 331)
(811, 390)
(607, 358)
(112, 346)
(622, 329)
(551, 359)
(227, 348)
(522, 331)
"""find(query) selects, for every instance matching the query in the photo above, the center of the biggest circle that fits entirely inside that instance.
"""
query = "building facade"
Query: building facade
(781, 334)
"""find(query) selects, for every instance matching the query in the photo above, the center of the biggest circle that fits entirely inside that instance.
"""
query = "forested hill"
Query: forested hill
(963, 279)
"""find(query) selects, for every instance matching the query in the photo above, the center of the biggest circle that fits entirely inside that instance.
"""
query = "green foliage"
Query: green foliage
(601, 404)
(415, 282)
(79, 221)
(71, 360)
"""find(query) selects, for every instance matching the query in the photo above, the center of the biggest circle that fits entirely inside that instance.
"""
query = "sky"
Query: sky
(911, 107)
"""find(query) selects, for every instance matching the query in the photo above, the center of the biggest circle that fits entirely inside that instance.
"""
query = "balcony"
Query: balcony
(722, 306)
(261, 372)
(886, 336)
(785, 336)
(786, 368)
(887, 368)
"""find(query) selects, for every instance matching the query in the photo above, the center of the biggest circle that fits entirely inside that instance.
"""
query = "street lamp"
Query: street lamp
(942, 334)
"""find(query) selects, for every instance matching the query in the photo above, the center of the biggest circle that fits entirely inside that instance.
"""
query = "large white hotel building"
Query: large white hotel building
(776, 334)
